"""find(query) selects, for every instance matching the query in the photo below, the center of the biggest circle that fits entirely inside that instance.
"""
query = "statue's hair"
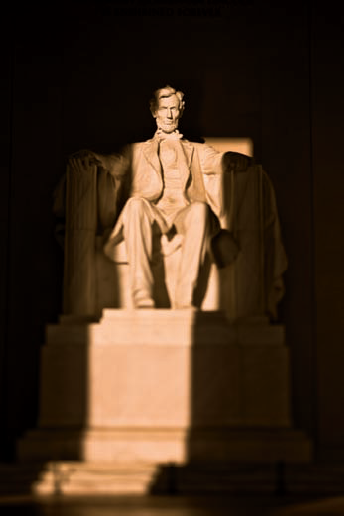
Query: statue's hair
(165, 92)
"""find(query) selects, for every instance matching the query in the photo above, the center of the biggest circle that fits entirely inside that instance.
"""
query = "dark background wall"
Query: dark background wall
(80, 76)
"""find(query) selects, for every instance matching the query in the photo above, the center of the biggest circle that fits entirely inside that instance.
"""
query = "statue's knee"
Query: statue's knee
(136, 205)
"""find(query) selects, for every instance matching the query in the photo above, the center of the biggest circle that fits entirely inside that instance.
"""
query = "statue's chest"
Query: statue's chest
(168, 154)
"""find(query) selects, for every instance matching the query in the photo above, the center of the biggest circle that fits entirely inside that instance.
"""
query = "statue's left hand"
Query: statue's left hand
(236, 162)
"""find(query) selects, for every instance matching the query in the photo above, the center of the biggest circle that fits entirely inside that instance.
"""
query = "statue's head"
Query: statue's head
(167, 107)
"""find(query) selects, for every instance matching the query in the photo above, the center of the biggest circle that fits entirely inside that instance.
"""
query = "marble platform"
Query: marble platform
(126, 398)
(164, 386)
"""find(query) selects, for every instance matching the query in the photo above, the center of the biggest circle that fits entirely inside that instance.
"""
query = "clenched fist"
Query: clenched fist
(236, 162)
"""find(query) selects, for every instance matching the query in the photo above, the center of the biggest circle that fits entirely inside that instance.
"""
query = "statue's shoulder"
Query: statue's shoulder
(199, 147)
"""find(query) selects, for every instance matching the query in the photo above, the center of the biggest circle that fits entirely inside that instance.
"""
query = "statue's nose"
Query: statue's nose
(169, 113)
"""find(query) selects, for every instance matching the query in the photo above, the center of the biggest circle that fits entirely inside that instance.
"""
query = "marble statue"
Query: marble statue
(168, 196)
(170, 190)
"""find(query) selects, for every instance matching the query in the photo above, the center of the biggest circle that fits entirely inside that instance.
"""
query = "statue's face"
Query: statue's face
(167, 115)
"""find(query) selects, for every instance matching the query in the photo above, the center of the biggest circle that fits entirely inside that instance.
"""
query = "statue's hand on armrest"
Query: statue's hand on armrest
(86, 158)
(115, 164)
(236, 162)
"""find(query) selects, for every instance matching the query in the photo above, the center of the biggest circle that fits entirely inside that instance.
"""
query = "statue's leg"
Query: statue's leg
(137, 231)
(194, 222)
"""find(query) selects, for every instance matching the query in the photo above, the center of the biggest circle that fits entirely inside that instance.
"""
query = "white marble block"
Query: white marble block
(164, 386)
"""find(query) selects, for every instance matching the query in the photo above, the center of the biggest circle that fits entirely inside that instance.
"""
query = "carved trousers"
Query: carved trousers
(193, 222)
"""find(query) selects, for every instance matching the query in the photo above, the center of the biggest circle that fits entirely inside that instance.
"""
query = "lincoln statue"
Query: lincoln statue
(167, 197)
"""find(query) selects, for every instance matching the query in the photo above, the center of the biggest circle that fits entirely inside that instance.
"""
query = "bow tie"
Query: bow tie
(176, 135)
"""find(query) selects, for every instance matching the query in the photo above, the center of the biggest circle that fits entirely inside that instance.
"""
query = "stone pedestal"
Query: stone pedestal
(164, 386)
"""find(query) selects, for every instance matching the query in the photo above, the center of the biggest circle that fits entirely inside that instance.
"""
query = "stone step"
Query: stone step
(67, 477)
(18, 478)
(73, 478)
(252, 478)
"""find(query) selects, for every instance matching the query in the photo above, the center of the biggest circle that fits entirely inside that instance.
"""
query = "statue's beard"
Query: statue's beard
(167, 127)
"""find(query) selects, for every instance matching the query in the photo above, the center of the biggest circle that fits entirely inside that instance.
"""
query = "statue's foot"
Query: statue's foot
(149, 303)
(143, 300)
(186, 306)
(184, 301)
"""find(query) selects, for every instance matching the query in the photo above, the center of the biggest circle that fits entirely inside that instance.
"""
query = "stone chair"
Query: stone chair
(87, 202)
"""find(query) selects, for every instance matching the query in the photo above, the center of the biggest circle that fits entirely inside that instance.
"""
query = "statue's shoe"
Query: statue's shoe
(143, 300)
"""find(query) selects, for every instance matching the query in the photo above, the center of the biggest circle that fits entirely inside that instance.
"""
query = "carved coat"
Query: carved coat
(141, 176)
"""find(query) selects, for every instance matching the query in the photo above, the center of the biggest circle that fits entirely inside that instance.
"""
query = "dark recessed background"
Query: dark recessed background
(80, 75)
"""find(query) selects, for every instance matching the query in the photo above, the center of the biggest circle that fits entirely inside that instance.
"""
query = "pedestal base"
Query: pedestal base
(164, 386)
